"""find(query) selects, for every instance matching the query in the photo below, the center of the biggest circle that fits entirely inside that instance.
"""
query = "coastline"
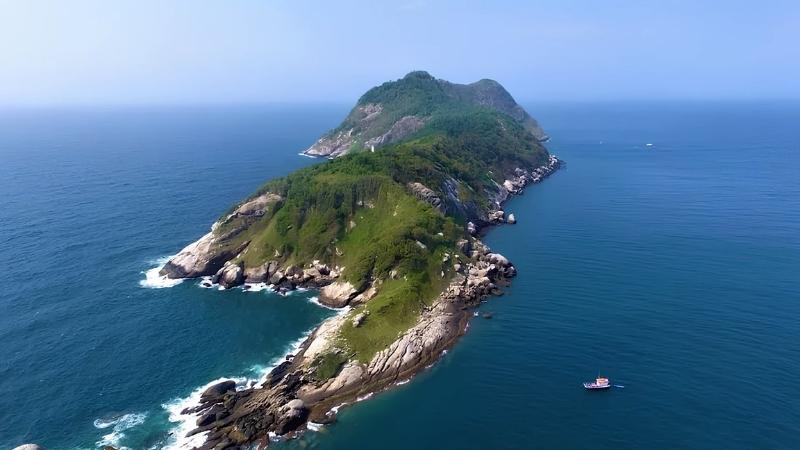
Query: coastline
(287, 400)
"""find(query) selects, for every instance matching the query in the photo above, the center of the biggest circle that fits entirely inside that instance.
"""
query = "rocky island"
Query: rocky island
(388, 231)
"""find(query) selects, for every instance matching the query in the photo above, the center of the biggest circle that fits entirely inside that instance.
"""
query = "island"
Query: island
(388, 231)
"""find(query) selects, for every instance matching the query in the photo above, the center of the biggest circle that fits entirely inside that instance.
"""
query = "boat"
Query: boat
(599, 383)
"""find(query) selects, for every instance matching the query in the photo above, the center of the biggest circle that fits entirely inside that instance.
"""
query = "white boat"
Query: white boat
(598, 383)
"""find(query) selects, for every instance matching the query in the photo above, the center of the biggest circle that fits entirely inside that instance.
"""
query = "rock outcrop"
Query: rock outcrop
(426, 194)
(230, 275)
(338, 294)
(339, 142)
(400, 130)
(200, 258)
(292, 395)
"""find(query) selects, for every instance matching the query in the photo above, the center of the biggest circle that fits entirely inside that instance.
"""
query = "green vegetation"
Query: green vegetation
(357, 212)
(327, 365)
(421, 95)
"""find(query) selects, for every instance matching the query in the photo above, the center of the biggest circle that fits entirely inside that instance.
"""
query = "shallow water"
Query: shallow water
(670, 268)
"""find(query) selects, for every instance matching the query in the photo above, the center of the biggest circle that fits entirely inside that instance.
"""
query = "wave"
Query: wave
(154, 280)
(256, 287)
(118, 427)
(185, 423)
(315, 300)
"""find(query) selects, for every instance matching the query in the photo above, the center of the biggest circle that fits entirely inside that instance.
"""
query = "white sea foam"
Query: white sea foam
(185, 423)
(154, 280)
(206, 283)
(307, 156)
(402, 382)
(365, 397)
(315, 300)
(313, 426)
(118, 427)
(256, 287)
(335, 409)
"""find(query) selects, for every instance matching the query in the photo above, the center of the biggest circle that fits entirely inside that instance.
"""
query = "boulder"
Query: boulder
(260, 274)
(510, 186)
(511, 219)
(471, 228)
(230, 275)
(255, 274)
(364, 296)
(295, 413)
(276, 277)
(359, 319)
(496, 216)
(216, 391)
(338, 294)
(497, 258)
(323, 269)
(295, 404)
(311, 274)
(510, 271)
(294, 273)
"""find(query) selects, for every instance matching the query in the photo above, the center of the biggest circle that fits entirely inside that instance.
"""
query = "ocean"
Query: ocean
(665, 255)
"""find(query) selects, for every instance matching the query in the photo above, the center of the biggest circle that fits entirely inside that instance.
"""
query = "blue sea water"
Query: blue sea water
(672, 268)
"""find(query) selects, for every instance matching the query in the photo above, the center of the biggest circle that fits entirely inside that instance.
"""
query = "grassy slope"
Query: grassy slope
(356, 212)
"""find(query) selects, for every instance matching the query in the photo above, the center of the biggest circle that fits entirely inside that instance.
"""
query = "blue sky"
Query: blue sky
(173, 51)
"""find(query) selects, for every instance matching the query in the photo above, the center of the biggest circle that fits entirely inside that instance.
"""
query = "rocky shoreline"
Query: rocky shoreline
(291, 396)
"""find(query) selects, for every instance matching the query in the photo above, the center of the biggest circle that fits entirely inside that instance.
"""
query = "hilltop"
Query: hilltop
(399, 109)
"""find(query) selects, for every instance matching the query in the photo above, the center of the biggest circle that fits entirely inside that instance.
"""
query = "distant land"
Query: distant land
(388, 231)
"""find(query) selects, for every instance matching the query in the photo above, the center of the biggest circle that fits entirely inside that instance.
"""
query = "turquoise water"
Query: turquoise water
(671, 268)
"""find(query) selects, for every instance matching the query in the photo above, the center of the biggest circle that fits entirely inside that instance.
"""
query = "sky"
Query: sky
(254, 51)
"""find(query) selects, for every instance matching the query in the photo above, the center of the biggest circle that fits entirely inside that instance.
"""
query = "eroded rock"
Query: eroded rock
(230, 275)
(338, 294)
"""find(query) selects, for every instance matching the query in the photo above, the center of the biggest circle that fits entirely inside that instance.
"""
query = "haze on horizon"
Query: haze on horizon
(149, 51)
